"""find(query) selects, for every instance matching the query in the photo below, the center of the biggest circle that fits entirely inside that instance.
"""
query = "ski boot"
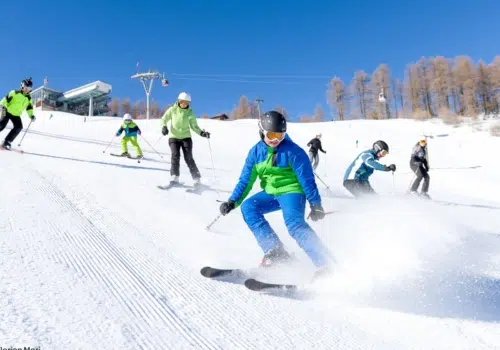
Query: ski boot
(174, 180)
(140, 156)
(6, 145)
(196, 182)
(322, 272)
(275, 256)
(425, 195)
(125, 154)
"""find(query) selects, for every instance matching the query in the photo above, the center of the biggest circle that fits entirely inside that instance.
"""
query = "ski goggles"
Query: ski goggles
(383, 153)
(183, 102)
(423, 142)
(274, 135)
(26, 89)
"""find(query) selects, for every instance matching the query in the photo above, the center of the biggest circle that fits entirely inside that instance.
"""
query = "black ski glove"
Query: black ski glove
(317, 212)
(164, 130)
(425, 165)
(391, 167)
(226, 207)
(204, 133)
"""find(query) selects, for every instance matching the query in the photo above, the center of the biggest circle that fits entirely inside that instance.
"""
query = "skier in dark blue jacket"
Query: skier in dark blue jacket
(356, 178)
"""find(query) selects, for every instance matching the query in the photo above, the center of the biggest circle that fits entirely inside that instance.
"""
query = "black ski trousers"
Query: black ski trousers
(16, 129)
(314, 159)
(187, 150)
(359, 189)
(420, 173)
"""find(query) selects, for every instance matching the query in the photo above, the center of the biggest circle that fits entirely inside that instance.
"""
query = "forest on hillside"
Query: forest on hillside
(448, 88)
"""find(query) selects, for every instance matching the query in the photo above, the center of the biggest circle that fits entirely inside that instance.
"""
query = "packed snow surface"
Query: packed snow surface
(94, 255)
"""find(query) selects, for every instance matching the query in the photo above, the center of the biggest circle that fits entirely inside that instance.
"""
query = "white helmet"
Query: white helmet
(127, 116)
(319, 134)
(184, 96)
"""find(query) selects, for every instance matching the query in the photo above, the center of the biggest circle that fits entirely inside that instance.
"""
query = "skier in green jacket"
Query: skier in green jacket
(11, 108)
(182, 121)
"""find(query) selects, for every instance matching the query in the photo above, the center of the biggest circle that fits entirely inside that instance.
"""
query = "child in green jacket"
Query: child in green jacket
(131, 130)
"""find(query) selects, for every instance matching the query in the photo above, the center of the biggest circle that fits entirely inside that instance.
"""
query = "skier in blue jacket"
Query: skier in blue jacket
(356, 178)
(288, 183)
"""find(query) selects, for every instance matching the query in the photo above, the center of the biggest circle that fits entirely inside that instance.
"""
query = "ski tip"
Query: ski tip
(206, 271)
(257, 286)
(210, 272)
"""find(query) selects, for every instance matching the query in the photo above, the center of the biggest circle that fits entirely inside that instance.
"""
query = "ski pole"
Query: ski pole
(109, 144)
(213, 222)
(322, 181)
(326, 213)
(151, 147)
(19, 144)
(158, 140)
(393, 184)
(411, 182)
(213, 166)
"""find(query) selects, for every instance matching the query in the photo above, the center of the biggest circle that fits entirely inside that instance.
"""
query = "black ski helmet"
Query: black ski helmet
(27, 83)
(381, 146)
(272, 121)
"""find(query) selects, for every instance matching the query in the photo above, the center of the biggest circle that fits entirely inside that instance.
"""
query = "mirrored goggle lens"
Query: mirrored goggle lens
(274, 135)
(184, 102)
(27, 88)
(383, 152)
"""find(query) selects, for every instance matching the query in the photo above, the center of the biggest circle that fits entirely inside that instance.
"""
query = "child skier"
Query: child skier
(419, 164)
(315, 146)
(182, 121)
(131, 130)
(11, 108)
(287, 180)
(356, 178)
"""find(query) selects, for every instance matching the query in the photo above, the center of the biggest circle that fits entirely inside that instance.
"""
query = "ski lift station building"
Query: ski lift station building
(90, 99)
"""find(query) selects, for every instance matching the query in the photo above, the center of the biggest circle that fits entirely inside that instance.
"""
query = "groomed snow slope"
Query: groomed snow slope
(93, 255)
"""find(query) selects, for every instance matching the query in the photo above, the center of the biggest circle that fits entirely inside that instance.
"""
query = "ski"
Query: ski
(258, 286)
(11, 149)
(120, 156)
(211, 272)
(197, 189)
(170, 185)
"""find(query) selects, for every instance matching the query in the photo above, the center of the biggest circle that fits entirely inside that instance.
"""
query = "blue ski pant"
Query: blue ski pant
(293, 206)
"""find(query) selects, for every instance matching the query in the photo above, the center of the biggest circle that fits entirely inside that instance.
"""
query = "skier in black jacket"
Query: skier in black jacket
(315, 146)
(420, 165)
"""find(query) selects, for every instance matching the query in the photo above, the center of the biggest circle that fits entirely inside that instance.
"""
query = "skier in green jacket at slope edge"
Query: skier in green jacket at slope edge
(11, 108)
(182, 121)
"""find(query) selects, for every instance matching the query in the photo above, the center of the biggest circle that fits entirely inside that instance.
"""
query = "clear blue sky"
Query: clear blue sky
(74, 43)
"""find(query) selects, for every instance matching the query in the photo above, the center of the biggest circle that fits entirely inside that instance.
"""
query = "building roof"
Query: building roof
(95, 89)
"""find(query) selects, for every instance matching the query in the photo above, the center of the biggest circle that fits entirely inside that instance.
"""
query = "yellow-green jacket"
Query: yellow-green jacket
(16, 102)
(182, 121)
